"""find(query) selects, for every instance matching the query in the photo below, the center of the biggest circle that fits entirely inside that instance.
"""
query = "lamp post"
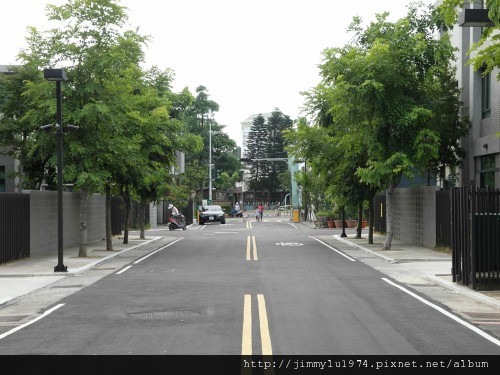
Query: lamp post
(209, 162)
(343, 223)
(58, 75)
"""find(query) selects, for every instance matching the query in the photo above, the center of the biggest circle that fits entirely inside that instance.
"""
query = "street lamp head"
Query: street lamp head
(475, 18)
(54, 74)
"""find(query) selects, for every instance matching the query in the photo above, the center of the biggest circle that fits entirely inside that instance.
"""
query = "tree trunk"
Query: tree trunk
(360, 220)
(388, 208)
(141, 219)
(372, 221)
(126, 197)
(84, 202)
(109, 235)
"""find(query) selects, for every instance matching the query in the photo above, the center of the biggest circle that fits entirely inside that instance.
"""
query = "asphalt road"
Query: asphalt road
(242, 288)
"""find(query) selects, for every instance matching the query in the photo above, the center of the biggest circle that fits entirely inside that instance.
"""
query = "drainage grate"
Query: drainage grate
(482, 315)
(13, 318)
(165, 314)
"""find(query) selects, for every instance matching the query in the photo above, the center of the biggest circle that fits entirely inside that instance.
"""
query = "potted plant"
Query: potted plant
(352, 223)
(322, 217)
(331, 223)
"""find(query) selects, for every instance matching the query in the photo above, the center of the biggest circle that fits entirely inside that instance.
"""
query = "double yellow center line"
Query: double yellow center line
(250, 242)
(265, 337)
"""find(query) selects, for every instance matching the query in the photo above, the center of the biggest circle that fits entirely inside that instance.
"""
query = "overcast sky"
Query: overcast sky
(252, 56)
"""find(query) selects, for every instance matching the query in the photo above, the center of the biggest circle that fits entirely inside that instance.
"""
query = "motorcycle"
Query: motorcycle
(235, 213)
(177, 222)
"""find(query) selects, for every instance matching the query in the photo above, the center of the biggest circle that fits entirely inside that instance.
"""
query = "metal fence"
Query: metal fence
(14, 227)
(443, 218)
(475, 236)
(117, 215)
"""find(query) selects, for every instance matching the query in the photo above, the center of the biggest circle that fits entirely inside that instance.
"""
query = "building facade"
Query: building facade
(481, 102)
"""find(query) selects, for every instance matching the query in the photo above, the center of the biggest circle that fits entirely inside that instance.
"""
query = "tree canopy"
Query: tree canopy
(386, 107)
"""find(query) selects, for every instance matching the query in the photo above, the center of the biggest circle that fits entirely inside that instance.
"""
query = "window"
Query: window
(2, 179)
(487, 172)
(486, 95)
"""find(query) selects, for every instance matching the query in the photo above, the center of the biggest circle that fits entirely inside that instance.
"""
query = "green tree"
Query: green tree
(20, 133)
(257, 149)
(277, 124)
(199, 117)
(387, 85)
(126, 134)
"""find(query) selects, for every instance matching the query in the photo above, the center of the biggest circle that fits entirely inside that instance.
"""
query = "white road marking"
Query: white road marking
(4, 335)
(334, 249)
(160, 249)
(123, 270)
(444, 312)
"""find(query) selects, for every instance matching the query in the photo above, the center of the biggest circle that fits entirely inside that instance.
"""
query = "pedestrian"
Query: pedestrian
(174, 211)
(257, 213)
(261, 210)
(245, 215)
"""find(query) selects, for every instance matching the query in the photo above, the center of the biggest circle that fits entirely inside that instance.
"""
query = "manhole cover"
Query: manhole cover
(483, 315)
(165, 314)
(12, 319)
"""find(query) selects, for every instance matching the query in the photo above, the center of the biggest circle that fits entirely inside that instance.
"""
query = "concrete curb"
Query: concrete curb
(358, 247)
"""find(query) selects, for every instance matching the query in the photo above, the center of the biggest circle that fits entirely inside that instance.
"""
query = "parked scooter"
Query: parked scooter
(177, 222)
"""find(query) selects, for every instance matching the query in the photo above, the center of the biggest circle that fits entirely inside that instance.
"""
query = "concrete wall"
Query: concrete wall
(153, 215)
(44, 221)
(414, 215)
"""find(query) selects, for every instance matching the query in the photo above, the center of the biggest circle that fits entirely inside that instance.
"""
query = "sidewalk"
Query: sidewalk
(25, 276)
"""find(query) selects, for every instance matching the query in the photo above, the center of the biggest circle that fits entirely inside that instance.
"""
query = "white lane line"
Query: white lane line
(154, 252)
(293, 225)
(334, 249)
(444, 312)
(4, 335)
(123, 270)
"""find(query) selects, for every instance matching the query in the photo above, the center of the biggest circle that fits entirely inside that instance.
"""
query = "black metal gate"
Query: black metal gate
(379, 217)
(475, 236)
(443, 218)
(14, 227)
(117, 215)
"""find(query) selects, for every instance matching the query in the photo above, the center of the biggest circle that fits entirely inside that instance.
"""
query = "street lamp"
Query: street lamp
(58, 75)
(343, 223)
(209, 162)
(475, 18)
